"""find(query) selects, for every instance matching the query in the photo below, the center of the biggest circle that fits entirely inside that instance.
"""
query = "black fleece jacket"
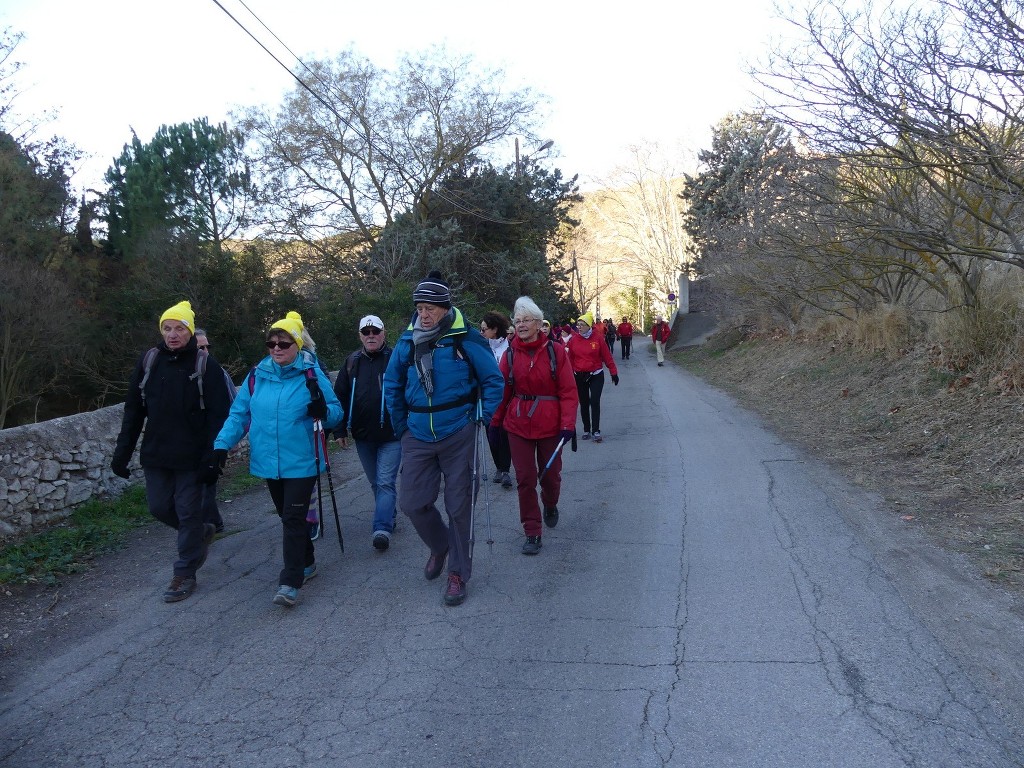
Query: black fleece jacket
(177, 431)
(367, 407)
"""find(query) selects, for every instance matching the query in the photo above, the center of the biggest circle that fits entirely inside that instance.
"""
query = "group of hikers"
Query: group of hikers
(415, 412)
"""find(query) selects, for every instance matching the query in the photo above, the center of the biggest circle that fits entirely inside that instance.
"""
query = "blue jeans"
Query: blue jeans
(380, 463)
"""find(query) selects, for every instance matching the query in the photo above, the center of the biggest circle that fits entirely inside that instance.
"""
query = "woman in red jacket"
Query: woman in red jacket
(589, 354)
(538, 410)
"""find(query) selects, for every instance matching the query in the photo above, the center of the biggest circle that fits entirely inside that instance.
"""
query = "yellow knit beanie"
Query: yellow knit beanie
(587, 318)
(292, 325)
(182, 311)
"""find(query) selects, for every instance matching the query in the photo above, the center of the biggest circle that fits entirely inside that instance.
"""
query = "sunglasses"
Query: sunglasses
(369, 331)
(280, 344)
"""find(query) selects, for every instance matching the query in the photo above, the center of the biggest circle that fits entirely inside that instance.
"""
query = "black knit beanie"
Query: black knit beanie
(433, 290)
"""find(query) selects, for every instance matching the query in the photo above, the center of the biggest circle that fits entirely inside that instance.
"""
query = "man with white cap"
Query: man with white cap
(364, 417)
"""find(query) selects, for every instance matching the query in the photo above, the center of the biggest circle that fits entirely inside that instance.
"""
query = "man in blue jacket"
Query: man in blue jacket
(442, 381)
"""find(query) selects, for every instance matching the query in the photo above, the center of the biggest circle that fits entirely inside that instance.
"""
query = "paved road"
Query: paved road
(711, 597)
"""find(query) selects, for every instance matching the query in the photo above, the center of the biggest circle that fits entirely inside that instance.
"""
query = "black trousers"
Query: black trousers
(589, 387)
(291, 498)
(627, 345)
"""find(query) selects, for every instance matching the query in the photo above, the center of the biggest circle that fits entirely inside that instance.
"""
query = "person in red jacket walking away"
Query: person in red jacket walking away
(659, 333)
(589, 354)
(538, 410)
(625, 333)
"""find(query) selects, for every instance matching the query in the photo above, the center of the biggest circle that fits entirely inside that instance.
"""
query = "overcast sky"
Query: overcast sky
(647, 71)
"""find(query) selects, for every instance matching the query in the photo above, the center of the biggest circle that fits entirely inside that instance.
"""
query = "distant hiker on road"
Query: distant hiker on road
(609, 334)
(625, 333)
(441, 382)
(588, 354)
(280, 399)
(538, 410)
(360, 389)
(494, 327)
(179, 394)
(659, 333)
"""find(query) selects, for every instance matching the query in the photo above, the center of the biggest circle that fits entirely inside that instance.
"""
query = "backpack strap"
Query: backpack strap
(147, 367)
(552, 360)
(201, 357)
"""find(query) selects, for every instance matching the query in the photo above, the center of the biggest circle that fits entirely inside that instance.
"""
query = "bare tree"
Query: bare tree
(38, 321)
(356, 145)
(932, 91)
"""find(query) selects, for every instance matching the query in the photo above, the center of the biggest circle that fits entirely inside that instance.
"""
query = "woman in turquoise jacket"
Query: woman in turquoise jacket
(278, 403)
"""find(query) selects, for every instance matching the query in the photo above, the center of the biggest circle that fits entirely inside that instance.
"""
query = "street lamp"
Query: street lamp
(519, 167)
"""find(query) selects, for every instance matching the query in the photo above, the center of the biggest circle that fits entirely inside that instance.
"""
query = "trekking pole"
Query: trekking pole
(473, 487)
(558, 449)
(487, 511)
(318, 522)
(330, 481)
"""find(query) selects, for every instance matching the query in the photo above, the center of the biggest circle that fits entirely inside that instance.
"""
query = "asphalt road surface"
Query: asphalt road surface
(710, 597)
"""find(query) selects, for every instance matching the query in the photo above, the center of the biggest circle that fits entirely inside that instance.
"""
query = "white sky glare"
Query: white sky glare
(645, 71)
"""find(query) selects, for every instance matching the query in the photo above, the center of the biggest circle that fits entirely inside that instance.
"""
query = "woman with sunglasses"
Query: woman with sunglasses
(288, 390)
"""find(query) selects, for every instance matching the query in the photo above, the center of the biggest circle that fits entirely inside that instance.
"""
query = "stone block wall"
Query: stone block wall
(47, 469)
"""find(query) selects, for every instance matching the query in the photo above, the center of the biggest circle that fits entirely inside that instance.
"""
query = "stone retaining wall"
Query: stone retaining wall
(47, 469)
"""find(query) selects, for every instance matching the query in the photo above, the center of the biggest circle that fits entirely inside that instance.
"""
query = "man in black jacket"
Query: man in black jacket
(359, 389)
(181, 420)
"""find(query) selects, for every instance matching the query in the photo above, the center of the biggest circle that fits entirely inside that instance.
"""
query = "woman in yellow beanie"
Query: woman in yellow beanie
(589, 354)
(289, 390)
(180, 422)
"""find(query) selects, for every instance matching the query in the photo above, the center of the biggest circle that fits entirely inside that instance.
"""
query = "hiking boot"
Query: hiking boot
(506, 480)
(179, 588)
(434, 566)
(381, 541)
(313, 529)
(586, 436)
(308, 572)
(660, 364)
(497, 477)
(209, 531)
(218, 527)
(551, 516)
(455, 592)
(532, 545)
(597, 436)
(286, 596)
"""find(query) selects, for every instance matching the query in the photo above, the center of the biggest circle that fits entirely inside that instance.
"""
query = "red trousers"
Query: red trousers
(529, 458)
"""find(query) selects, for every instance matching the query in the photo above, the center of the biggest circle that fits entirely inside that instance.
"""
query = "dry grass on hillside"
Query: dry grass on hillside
(943, 448)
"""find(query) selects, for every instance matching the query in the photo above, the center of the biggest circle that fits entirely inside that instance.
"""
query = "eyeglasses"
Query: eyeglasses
(524, 320)
(369, 331)
(280, 344)
(203, 346)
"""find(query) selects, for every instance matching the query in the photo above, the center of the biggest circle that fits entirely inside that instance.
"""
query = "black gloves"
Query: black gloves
(567, 434)
(120, 468)
(615, 379)
(317, 409)
(212, 465)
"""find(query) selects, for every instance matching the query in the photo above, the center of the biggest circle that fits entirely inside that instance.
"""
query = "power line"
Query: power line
(458, 205)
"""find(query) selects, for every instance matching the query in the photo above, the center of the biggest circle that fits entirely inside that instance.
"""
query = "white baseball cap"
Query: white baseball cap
(371, 321)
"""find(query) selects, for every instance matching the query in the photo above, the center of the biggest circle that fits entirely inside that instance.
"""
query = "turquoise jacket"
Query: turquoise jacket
(467, 384)
(273, 407)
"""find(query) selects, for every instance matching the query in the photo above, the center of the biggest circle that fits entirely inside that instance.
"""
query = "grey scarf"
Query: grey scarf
(423, 343)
